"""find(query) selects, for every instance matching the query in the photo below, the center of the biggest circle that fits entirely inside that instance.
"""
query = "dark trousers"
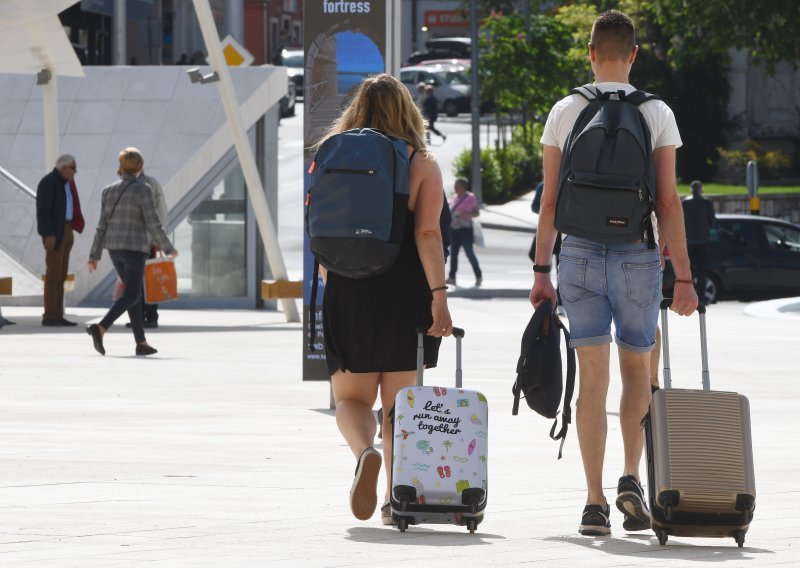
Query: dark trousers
(463, 238)
(57, 268)
(149, 311)
(432, 128)
(697, 258)
(130, 268)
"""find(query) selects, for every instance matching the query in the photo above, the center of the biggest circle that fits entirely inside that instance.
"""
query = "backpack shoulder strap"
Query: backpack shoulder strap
(569, 388)
(312, 309)
(639, 97)
(588, 92)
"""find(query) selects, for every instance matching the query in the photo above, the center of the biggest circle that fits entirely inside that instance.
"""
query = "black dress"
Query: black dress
(370, 324)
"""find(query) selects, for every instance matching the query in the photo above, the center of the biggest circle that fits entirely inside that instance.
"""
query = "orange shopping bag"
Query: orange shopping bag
(160, 280)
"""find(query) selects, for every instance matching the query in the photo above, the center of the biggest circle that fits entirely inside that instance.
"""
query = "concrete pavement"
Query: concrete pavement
(213, 453)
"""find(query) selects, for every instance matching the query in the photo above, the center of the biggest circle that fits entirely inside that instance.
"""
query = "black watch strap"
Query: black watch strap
(541, 268)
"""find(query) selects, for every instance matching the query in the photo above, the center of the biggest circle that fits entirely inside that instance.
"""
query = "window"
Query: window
(781, 237)
(213, 242)
(734, 233)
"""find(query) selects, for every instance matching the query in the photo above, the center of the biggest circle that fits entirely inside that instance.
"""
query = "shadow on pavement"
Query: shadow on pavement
(33, 326)
(646, 546)
(418, 536)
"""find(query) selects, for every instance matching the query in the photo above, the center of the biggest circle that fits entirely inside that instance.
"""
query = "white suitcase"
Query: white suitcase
(440, 452)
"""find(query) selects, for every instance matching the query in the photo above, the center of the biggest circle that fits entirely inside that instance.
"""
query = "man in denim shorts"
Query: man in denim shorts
(601, 283)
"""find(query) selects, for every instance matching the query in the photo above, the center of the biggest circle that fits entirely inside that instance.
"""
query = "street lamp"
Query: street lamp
(195, 76)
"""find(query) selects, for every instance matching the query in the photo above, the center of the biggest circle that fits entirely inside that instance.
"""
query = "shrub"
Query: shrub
(505, 172)
(770, 163)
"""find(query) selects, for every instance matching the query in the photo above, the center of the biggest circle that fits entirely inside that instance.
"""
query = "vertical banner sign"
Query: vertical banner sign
(345, 42)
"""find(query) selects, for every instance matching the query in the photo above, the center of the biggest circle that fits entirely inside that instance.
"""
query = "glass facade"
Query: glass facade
(212, 241)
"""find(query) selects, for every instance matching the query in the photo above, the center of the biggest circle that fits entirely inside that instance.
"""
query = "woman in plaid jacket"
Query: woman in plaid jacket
(128, 221)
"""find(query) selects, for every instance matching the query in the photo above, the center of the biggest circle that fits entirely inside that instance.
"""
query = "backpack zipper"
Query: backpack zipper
(349, 171)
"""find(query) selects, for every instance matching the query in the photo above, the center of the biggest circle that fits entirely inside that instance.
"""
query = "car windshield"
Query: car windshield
(292, 59)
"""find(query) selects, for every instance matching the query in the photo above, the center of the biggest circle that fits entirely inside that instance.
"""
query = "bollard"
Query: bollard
(752, 187)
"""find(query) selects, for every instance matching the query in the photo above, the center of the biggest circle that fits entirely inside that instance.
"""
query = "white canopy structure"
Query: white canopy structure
(32, 41)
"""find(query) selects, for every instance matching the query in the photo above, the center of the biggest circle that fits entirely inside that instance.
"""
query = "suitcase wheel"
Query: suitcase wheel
(472, 524)
(402, 524)
(739, 536)
(662, 536)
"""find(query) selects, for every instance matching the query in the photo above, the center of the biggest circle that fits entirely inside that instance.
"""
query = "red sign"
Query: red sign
(444, 19)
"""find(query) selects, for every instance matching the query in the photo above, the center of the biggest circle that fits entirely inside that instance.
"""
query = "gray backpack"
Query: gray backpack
(606, 186)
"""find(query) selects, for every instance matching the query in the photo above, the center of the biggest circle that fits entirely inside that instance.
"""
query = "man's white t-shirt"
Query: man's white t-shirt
(659, 117)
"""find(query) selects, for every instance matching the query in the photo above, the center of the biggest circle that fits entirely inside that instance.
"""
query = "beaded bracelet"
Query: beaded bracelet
(679, 281)
(438, 289)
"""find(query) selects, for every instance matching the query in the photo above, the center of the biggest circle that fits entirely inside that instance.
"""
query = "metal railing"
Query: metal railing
(17, 217)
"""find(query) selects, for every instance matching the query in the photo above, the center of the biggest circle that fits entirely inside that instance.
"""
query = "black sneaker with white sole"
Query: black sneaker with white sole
(631, 501)
(595, 521)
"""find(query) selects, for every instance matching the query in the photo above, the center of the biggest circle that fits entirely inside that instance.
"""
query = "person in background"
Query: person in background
(698, 215)
(128, 218)
(150, 311)
(430, 110)
(464, 208)
(58, 214)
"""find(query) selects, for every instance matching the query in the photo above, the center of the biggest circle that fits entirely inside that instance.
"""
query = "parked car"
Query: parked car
(293, 60)
(749, 256)
(287, 102)
(451, 85)
(442, 48)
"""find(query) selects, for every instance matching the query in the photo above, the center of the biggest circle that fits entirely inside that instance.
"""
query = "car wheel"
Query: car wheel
(713, 292)
(451, 108)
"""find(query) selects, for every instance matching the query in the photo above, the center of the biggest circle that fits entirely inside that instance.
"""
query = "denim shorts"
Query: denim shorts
(600, 283)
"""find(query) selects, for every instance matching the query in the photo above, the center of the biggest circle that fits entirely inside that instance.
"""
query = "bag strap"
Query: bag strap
(312, 308)
(588, 92)
(639, 97)
(458, 202)
(121, 193)
(569, 389)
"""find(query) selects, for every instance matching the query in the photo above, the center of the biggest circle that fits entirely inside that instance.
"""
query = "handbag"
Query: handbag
(477, 234)
(160, 280)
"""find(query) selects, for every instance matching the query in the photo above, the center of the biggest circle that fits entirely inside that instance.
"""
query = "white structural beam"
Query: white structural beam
(245, 154)
(51, 133)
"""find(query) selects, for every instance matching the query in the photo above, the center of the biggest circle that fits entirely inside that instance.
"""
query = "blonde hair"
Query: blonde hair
(383, 103)
(131, 160)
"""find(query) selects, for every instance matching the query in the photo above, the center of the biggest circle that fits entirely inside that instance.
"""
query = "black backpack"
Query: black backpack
(606, 186)
(539, 379)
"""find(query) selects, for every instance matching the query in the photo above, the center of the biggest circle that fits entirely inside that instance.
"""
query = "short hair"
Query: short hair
(131, 160)
(65, 160)
(696, 185)
(613, 35)
(463, 181)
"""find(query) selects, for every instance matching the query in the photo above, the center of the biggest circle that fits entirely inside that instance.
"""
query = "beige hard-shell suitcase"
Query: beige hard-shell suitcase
(699, 456)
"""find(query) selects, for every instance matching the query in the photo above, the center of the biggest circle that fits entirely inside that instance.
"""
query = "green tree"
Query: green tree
(770, 31)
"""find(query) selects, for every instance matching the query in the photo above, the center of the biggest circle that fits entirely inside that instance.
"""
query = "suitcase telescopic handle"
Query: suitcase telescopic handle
(701, 310)
(458, 333)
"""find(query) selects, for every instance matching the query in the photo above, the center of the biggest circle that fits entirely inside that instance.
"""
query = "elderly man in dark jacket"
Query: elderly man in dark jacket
(58, 213)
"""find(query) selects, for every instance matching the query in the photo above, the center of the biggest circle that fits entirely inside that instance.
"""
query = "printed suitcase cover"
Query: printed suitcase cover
(440, 446)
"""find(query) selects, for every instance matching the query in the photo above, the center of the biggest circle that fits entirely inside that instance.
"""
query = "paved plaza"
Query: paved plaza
(215, 453)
